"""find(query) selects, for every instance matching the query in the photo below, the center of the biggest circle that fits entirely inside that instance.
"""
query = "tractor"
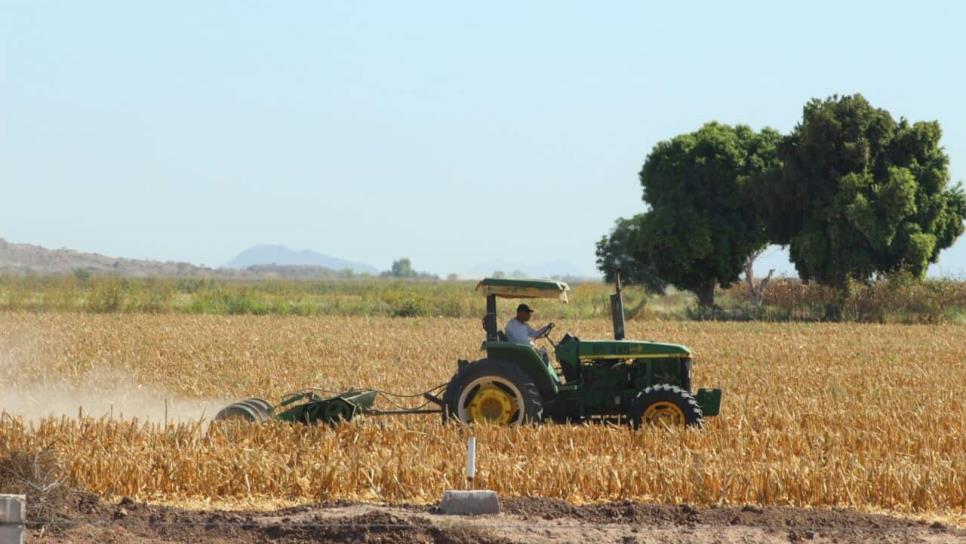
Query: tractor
(640, 382)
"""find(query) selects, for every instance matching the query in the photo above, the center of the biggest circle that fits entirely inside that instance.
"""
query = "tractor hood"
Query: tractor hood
(629, 349)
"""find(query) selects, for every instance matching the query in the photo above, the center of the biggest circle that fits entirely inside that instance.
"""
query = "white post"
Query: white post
(470, 461)
(12, 517)
(470, 502)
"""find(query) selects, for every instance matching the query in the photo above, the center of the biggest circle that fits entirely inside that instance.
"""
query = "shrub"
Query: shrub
(106, 296)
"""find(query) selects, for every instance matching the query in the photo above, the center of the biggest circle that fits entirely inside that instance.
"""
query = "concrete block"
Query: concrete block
(13, 513)
(470, 503)
(11, 534)
(13, 509)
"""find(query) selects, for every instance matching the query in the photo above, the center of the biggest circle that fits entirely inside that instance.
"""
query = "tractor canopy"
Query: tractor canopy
(514, 288)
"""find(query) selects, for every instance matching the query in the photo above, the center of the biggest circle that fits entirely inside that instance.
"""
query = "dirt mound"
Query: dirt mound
(800, 524)
(375, 528)
(53, 501)
(657, 514)
(531, 520)
(130, 522)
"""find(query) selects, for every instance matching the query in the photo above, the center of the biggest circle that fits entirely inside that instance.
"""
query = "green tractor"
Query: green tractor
(641, 382)
(635, 381)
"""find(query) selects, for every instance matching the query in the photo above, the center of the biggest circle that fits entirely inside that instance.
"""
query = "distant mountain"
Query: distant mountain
(270, 254)
(31, 259)
(257, 262)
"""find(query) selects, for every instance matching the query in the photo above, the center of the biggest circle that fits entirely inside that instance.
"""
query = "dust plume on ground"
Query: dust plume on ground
(97, 393)
(89, 399)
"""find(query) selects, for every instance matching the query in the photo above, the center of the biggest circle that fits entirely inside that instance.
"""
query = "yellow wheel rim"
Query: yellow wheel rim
(491, 404)
(664, 413)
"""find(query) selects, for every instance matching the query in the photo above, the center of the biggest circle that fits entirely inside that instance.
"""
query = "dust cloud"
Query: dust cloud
(97, 393)
(35, 402)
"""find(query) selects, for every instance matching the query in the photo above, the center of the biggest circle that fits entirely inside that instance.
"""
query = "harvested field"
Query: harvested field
(829, 415)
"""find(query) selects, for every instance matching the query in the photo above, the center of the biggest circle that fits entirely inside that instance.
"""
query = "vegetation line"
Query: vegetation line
(896, 299)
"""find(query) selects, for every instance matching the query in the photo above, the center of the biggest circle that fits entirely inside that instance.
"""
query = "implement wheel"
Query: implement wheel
(261, 406)
(664, 405)
(240, 411)
(492, 391)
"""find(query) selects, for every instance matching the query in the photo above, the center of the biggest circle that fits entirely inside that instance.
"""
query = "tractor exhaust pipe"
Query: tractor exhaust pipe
(617, 309)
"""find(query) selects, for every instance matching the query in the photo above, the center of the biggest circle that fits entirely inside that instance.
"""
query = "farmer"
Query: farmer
(518, 332)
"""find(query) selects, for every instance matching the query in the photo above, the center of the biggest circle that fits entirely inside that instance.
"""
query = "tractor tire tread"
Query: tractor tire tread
(692, 410)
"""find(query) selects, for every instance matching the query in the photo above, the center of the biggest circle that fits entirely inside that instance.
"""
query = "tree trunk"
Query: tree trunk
(750, 275)
(705, 295)
(756, 289)
(835, 311)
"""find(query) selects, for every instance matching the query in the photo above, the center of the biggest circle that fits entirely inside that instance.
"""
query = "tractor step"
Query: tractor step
(709, 400)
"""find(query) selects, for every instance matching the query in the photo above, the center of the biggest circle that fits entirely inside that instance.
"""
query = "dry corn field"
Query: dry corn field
(863, 416)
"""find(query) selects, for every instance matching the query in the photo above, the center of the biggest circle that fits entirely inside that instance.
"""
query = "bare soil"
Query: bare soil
(532, 520)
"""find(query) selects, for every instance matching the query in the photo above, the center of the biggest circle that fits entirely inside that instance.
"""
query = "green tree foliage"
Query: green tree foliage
(402, 268)
(860, 194)
(700, 229)
(621, 251)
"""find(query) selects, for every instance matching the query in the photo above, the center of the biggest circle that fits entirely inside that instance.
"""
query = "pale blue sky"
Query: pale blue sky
(454, 133)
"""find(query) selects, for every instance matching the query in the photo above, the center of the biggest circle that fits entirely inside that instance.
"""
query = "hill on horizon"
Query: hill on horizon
(33, 259)
(279, 255)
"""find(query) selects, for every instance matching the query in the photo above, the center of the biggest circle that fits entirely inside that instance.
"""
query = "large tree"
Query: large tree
(700, 228)
(402, 268)
(859, 193)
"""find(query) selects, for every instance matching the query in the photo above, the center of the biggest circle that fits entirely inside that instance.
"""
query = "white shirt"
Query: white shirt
(519, 332)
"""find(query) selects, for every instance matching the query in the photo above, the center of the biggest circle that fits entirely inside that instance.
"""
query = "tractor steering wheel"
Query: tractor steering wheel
(546, 335)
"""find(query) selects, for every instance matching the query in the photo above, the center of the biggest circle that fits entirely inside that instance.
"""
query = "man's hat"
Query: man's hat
(524, 308)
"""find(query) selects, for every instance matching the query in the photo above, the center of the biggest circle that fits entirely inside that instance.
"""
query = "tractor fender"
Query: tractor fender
(529, 360)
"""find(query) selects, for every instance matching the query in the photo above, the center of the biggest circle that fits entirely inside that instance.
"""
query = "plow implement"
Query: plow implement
(313, 407)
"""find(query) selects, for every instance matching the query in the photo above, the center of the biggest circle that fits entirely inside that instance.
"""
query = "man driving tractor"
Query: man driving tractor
(518, 332)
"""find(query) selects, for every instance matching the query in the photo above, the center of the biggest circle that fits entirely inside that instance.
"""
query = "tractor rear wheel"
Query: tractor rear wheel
(492, 391)
(665, 405)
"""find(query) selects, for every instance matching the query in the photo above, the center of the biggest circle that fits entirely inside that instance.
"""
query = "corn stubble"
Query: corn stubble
(866, 416)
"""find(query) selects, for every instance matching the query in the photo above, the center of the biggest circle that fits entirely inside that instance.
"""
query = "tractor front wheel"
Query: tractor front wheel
(664, 405)
(492, 391)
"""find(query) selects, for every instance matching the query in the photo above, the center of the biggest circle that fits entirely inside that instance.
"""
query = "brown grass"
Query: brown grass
(868, 416)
